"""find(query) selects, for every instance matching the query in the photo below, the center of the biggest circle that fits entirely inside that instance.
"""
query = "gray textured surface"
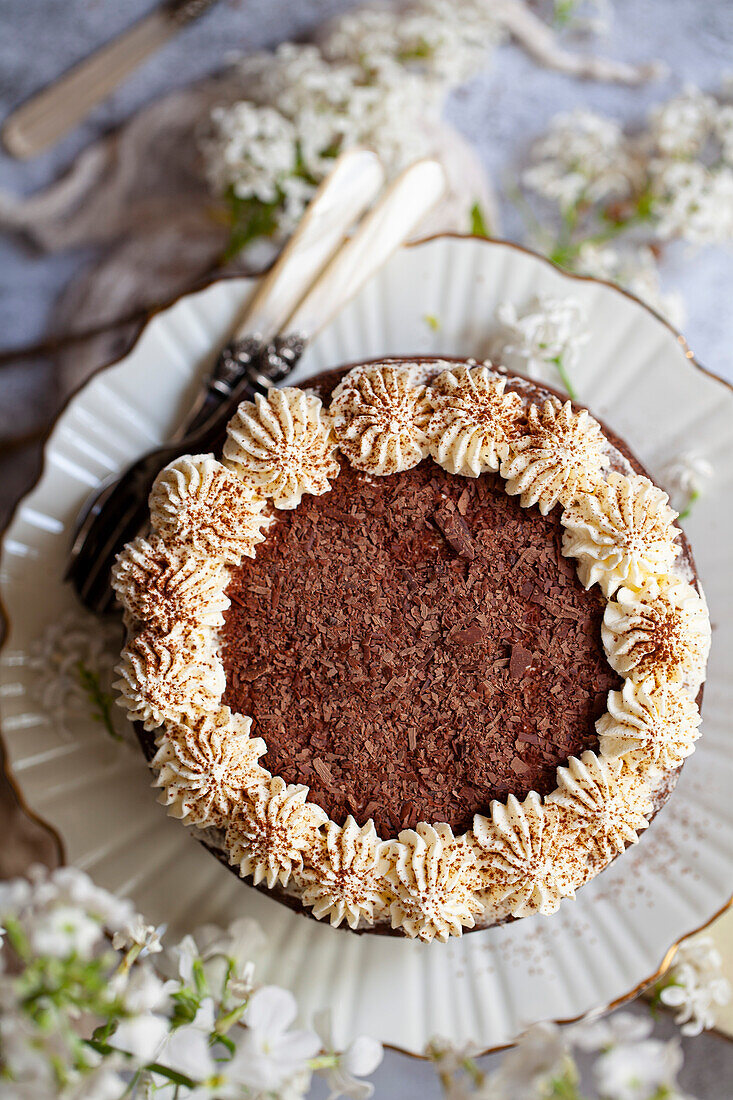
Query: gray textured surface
(500, 111)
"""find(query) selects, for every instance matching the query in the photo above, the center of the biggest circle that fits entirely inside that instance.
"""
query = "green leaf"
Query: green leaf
(564, 11)
(250, 220)
(479, 224)
(101, 701)
(694, 495)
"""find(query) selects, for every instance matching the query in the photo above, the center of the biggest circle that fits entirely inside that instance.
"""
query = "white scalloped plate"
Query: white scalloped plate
(636, 374)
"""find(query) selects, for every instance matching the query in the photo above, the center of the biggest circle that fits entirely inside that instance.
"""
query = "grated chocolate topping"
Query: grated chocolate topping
(412, 647)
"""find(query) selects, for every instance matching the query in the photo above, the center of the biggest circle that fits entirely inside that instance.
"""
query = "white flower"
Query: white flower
(136, 933)
(225, 955)
(638, 1071)
(618, 1027)
(425, 35)
(583, 157)
(268, 1053)
(526, 1071)
(687, 477)
(548, 334)
(76, 888)
(250, 150)
(697, 985)
(64, 931)
(141, 990)
(187, 1050)
(74, 642)
(723, 126)
(242, 941)
(360, 1059)
(141, 1036)
(682, 126)
(30, 1054)
(102, 1083)
(692, 201)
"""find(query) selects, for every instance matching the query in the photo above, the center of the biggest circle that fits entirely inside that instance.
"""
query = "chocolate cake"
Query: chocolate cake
(420, 651)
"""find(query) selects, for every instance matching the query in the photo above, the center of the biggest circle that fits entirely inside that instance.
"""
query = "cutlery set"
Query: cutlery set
(333, 252)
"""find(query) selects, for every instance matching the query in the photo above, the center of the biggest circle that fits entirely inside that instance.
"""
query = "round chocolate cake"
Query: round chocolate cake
(420, 652)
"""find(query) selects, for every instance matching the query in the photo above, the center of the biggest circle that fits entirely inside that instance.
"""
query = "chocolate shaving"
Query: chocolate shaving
(519, 661)
(449, 519)
(470, 636)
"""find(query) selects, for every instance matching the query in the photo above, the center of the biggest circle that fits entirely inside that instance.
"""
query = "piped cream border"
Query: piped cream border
(527, 856)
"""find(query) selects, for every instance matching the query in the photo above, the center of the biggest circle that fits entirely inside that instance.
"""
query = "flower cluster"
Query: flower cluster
(87, 1013)
(72, 665)
(626, 1063)
(377, 79)
(694, 985)
(619, 196)
(544, 340)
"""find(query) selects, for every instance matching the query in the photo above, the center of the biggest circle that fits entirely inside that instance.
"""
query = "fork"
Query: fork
(270, 339)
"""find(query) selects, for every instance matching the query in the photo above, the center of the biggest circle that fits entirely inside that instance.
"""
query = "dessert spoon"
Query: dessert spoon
(270, 338)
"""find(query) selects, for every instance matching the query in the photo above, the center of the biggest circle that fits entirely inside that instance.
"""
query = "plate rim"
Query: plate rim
(147, 317)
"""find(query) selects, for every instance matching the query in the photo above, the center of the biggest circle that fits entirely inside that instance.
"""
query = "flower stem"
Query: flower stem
(564, 376)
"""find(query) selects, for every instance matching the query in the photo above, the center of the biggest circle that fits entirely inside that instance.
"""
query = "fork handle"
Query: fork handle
(244, 368)
(45, 118)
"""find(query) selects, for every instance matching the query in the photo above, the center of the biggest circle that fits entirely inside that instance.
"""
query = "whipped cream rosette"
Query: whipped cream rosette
(370, 648)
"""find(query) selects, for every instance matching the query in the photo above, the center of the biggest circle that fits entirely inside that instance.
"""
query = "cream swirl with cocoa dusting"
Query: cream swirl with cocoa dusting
(340, 879)
(524, 855)
(608, 801)
(473, 420)
(660, 630)
(166, 677)
(160, 584)
(652, 725)
(561, 455)
(427, 871)
(275, 825)
(199, 503)
(380, 419)
(206, 768)
(620, 533)
(282, 446)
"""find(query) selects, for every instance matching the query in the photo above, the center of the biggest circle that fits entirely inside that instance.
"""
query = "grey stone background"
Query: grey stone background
(501, 110)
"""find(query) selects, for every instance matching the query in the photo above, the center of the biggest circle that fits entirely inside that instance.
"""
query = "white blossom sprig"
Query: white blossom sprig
(694, 986)
(378, 77)
(606, 200)
(627, 1063)
(72, 667)
(87, 1013)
